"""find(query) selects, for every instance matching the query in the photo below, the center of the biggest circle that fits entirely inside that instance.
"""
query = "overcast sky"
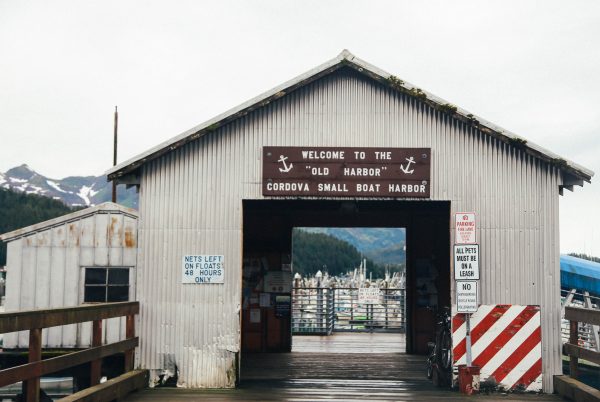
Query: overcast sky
(530, 67)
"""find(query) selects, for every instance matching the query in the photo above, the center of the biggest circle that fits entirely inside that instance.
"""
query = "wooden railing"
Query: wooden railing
(575, 315)
(36, 320)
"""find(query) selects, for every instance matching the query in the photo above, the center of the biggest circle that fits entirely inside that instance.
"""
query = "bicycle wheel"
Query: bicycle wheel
(429, 368)
(445, 361)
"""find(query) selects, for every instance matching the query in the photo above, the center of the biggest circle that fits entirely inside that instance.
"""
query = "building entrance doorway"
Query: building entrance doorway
(348, 280)
(269, 291)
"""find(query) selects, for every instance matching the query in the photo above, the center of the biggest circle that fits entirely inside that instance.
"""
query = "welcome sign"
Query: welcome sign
(346, 172)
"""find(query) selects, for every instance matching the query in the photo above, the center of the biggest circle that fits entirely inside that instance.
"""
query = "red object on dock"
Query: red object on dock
(468, 379)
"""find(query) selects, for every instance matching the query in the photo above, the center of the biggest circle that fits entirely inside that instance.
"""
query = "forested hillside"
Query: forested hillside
(18, 210)
(382, 245)
(312, 251)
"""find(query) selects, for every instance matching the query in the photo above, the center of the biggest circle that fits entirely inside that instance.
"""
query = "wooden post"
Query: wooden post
(31, 387)
(96, 365)
(574, 340)
(129, 333)
(114, 182)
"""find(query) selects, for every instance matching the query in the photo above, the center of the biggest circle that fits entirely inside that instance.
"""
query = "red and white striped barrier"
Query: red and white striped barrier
(506, 345)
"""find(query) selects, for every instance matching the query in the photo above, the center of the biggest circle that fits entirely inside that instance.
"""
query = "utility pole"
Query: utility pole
(114, 182)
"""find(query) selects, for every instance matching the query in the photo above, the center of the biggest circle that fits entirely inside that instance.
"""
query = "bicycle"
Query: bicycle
(439, 361)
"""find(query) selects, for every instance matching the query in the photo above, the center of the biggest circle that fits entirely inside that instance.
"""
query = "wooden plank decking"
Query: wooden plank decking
(339, 367)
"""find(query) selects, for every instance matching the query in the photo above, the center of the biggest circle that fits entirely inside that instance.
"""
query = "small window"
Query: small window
(106, 285)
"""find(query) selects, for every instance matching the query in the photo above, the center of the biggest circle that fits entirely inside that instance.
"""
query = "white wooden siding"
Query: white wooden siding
(45, 268)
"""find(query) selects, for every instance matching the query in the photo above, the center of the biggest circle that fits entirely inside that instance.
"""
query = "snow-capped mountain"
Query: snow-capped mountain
(72, 190)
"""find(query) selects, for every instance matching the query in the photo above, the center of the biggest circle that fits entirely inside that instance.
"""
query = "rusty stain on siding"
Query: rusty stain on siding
(42, 239)
(54, 253)
(129, 238)
(74, 235)
(110, 230)
(62, 242)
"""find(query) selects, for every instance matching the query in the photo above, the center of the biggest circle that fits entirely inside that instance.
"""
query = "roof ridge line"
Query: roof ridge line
(347, 58)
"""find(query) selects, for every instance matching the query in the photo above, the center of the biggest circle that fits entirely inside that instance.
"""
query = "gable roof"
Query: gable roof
(573, 174)
(104, 208)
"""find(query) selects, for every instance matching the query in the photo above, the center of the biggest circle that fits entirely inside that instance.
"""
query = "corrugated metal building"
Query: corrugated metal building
(86, 256)
(195, 191)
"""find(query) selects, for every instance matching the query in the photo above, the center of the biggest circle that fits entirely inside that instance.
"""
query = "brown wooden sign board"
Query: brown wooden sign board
(346, 172)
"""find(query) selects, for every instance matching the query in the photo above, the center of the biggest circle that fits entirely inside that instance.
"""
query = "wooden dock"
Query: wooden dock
(335, 368)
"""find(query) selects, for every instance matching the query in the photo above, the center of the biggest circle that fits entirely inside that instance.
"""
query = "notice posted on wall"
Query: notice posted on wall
(203, 269)
(368, 295)
(255, 316)
(278, 282)
(464, 228)
(466, 296)
(466, 261)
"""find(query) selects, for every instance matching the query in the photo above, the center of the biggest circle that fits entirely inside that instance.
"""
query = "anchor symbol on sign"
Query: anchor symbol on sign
(410, 160)
(285, 167)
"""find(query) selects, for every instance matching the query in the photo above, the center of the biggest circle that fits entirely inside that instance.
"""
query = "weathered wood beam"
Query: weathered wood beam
(589, 316)
(131, 179)
(54, 364)
(581, 353)
(574, 390)
(113, 389)
(45, 318)
(572, 180)
(588, 304)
